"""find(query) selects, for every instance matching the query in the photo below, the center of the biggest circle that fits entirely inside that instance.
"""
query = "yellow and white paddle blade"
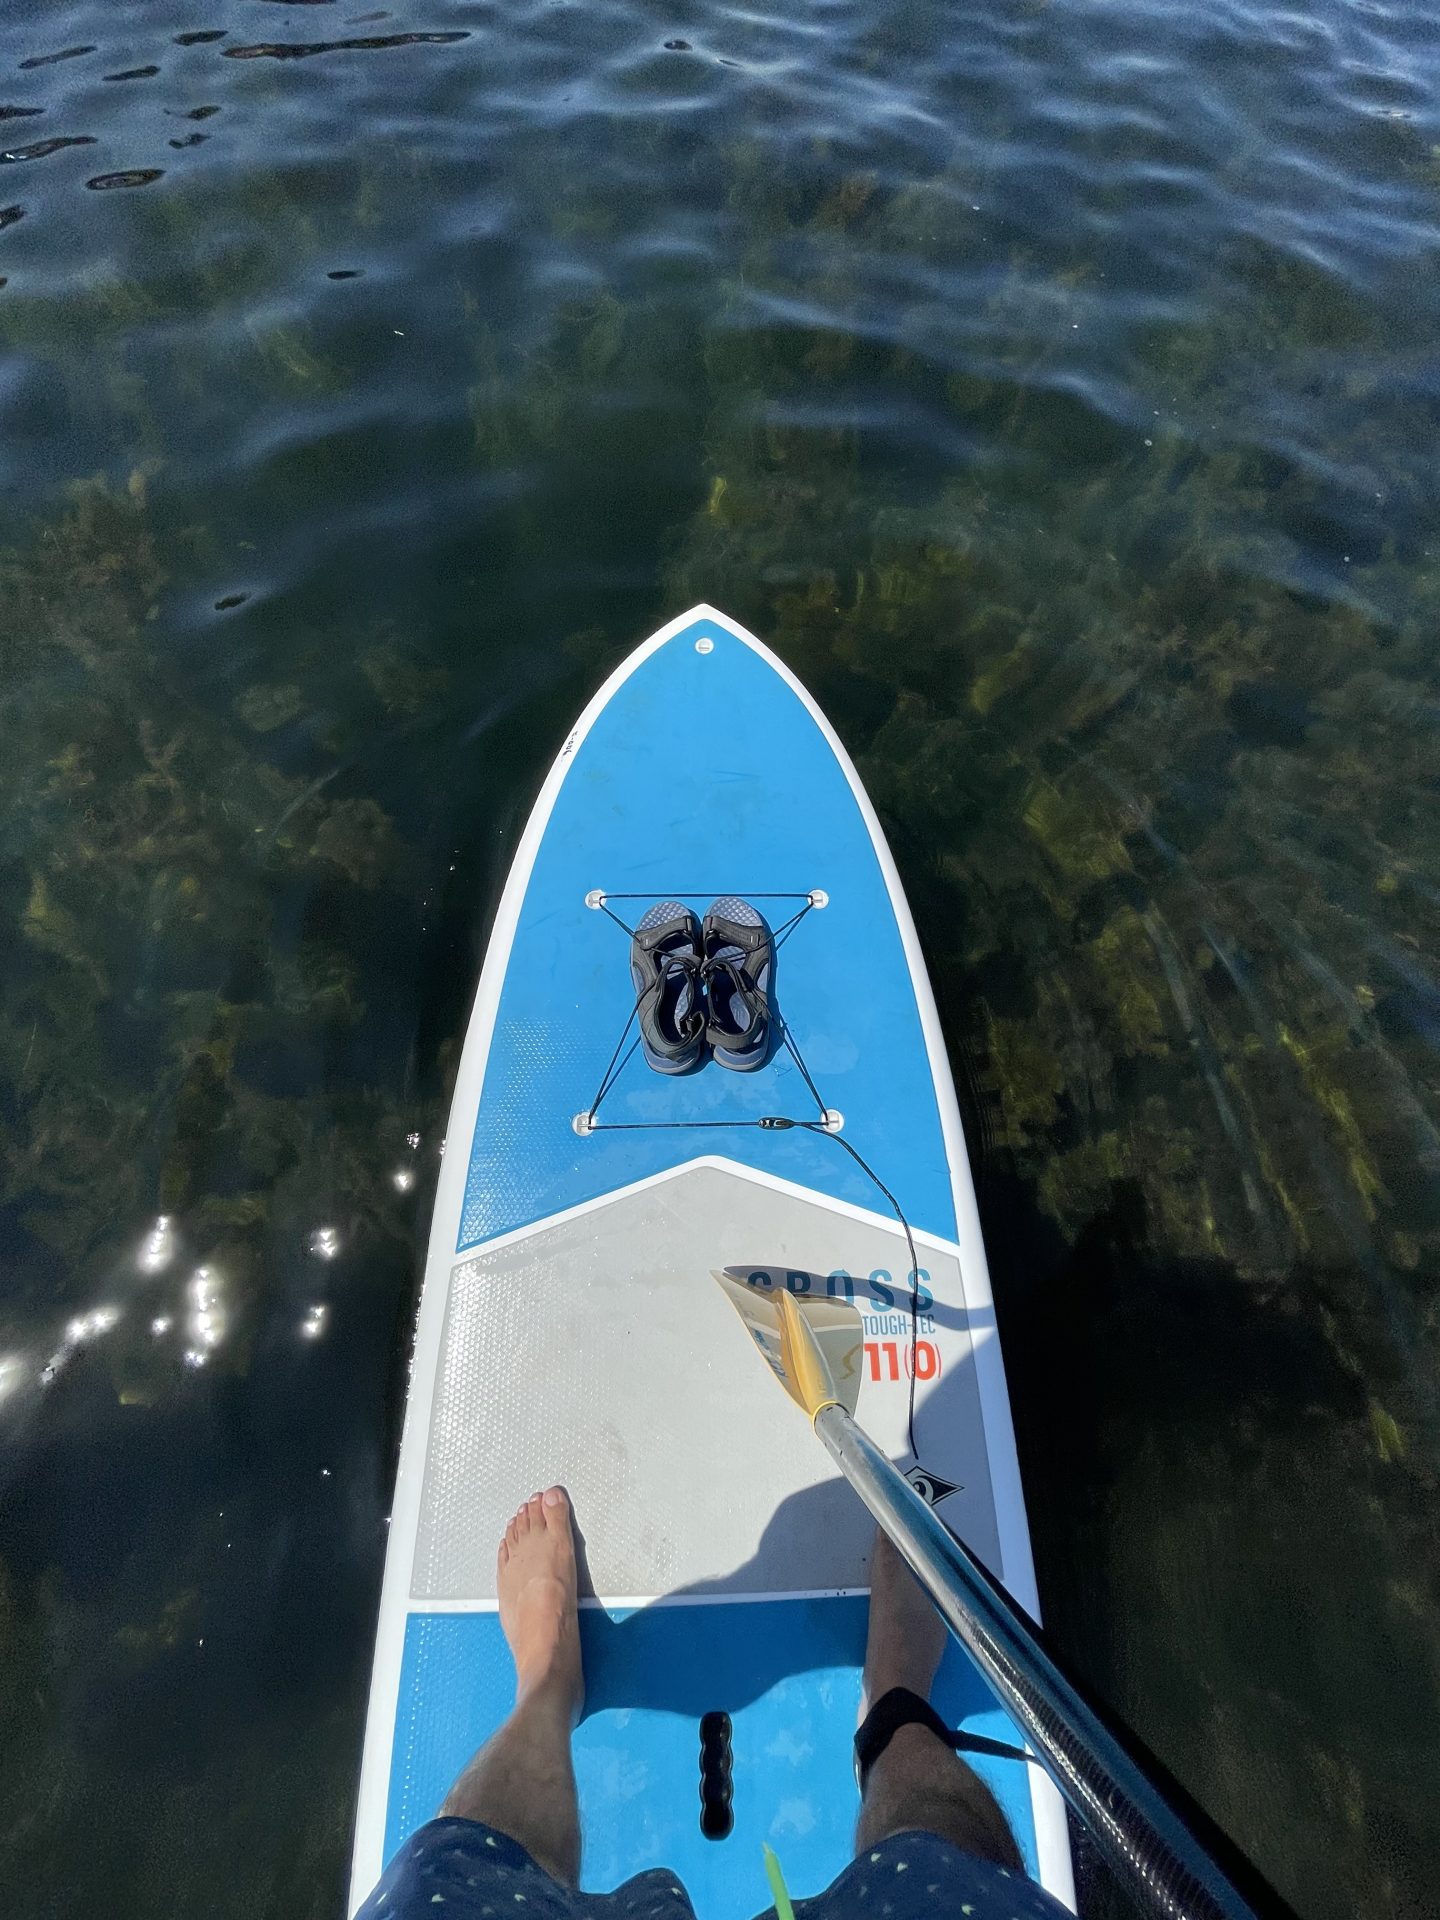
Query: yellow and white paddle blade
(814, 1346)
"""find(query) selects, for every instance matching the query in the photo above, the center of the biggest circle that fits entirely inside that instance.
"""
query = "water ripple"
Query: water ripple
(40, 148)
(53, 59)
(126, 177)
(303, 50)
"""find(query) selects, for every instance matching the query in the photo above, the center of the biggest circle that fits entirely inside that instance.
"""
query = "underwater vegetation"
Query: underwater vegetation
(202, 1185)
(141, 835)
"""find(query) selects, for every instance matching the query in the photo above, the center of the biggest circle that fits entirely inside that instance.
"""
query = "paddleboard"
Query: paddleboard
(570, 1328)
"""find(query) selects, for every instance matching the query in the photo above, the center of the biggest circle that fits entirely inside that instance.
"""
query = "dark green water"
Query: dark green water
(1055, 386)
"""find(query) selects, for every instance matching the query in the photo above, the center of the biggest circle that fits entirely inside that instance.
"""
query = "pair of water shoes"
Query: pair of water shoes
(703, 986)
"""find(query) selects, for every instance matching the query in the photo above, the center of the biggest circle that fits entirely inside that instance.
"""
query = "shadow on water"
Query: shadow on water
(1208, 1433)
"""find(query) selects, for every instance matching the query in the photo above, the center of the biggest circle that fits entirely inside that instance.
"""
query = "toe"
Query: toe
(520, 1525)
(535, 1512)
(555, 1505)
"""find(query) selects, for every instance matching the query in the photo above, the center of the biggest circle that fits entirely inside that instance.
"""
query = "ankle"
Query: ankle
(554, 1694)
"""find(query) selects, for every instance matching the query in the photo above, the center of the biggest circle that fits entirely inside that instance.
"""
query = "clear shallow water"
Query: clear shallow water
(1055, 386)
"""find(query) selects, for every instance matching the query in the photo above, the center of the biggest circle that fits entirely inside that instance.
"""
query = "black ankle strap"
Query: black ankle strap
(902, 1708)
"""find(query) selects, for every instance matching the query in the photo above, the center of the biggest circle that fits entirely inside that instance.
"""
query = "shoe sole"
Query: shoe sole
(669, 1064)
(661, 1063)
(750, 1062)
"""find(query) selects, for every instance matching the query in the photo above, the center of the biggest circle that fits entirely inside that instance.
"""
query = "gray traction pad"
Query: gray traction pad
(598, 1351)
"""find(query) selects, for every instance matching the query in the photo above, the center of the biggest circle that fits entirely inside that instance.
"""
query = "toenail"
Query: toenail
(554, 1497)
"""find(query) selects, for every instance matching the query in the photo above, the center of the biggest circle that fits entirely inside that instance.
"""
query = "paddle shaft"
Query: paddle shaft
(1150, 1849)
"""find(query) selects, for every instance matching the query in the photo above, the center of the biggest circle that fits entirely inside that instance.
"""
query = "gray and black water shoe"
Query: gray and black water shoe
(665, 966)
(739, 969)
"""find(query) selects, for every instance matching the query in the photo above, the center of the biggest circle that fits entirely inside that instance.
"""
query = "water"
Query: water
(1055, 386)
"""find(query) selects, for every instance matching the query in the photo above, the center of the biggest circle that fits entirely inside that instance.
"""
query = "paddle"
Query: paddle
(1167, 1859)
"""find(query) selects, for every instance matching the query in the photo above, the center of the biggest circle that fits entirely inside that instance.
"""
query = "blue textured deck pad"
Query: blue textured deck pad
(704, 772)
(785, 1670)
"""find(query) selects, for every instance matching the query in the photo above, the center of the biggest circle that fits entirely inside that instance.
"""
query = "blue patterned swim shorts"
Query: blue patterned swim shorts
(460, 1870)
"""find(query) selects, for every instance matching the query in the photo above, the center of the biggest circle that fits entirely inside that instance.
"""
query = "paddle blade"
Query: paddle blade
(814, 1347)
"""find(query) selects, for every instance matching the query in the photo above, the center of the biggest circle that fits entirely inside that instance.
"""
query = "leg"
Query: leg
(918, 1781)
(522, 1781)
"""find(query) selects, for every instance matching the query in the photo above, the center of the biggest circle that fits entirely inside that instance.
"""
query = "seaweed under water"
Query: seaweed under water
(1074, 445)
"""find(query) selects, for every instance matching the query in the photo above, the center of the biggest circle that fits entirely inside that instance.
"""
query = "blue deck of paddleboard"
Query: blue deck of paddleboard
(651, 1673)
(704, 773)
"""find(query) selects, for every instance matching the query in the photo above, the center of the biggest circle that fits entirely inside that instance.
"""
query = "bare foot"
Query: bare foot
(535, 1581)
(907, 1636)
